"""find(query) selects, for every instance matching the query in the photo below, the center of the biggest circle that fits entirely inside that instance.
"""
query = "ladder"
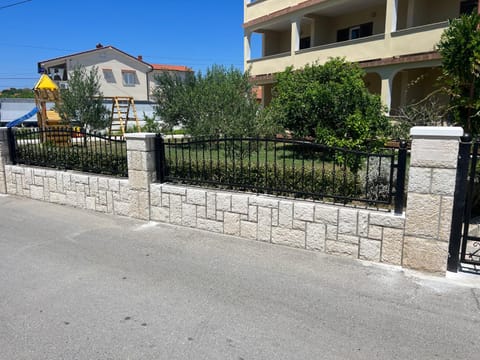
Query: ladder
(123, 109)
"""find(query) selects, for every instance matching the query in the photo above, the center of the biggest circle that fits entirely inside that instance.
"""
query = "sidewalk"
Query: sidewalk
(82, 285)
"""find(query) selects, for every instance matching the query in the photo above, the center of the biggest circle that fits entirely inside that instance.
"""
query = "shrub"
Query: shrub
(219, 102)
(329, 102)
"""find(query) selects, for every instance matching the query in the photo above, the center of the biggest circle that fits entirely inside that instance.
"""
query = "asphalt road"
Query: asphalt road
(82, 285)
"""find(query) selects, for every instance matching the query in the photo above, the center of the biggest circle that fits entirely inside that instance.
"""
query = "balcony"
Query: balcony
(419, 39)
(298, 32)
(259, 8)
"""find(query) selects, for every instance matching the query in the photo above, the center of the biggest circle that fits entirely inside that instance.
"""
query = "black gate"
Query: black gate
(464, 245)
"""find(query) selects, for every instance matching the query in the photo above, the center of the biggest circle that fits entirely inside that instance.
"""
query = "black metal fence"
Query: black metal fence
(66, 148)
(286, 167)
(464, 245)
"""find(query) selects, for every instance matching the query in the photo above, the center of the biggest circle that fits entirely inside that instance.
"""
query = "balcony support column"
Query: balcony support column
(386, 90)
(295, 46)
(391, 17)
(247, 45)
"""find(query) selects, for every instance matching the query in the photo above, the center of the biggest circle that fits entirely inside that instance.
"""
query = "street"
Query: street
(81, 285)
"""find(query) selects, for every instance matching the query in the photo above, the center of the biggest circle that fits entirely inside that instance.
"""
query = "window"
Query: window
(108, 75)
(355, 32)
(129, 77)
(468, 6)
(305, 43)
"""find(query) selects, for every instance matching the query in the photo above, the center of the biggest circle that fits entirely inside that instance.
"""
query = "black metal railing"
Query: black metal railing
(66, 148)
(464, 245)
(286, 167)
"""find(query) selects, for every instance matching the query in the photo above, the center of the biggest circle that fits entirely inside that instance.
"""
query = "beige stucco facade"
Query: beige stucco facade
(394, 40)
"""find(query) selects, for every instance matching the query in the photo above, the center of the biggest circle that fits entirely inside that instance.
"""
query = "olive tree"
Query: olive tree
(82, 102)
(219, 102)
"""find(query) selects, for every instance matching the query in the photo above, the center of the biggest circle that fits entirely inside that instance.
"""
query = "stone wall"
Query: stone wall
(364, 234)
(433, 167)
(91, 192)
(417, 239)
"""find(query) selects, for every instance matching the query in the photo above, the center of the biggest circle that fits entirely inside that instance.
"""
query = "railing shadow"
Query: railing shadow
(470, 269)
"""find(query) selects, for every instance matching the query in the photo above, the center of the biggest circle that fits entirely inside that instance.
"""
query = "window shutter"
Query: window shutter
(366, 29)
(305, 43)
(343, 34)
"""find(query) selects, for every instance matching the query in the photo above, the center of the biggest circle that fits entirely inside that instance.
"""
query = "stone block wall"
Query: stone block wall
(361, 234)
(417, 239)
(85, 191)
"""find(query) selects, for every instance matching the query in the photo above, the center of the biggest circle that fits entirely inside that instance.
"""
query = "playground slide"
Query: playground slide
(22, 119)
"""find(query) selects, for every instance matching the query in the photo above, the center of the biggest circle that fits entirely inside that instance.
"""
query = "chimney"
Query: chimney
(99, 46)
(140, 57)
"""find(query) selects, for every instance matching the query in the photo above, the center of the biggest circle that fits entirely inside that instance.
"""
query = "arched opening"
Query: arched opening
(416, 86)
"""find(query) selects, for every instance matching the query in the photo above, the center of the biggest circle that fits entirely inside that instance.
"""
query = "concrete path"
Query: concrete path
(81, 285)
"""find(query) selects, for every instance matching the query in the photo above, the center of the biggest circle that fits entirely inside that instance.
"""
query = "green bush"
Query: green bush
(330, 103)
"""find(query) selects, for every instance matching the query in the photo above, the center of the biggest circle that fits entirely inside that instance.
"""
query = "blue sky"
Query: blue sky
(196, 33)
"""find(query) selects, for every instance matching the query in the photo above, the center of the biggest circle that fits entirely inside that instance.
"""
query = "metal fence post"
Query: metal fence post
(160, 158)
(459, 201)
(401, 173)
(12, 146)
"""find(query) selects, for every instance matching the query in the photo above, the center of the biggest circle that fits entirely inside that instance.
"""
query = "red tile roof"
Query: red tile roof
(170, 67)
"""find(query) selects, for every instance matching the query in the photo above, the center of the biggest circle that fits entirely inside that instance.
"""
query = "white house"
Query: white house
(121, 74)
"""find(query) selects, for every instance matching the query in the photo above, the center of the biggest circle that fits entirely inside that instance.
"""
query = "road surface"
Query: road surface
(81, 285)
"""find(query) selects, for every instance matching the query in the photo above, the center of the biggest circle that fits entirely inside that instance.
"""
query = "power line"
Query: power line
(14, 4)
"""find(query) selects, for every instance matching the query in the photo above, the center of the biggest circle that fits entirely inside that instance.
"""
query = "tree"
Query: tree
(82, 102)
(329, 102)
(17, 93)
(219, 102)
(459, 47)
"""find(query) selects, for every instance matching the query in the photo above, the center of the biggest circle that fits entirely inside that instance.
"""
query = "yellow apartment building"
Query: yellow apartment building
(394, 41)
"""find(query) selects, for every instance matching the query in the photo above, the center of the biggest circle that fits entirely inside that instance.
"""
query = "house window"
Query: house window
(129, 77)
(305, 43)
(108, 76)
(468, 6)
(355, 32)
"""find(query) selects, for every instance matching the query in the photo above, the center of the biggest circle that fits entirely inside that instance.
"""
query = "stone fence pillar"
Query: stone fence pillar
(4, 159)
(431, 186)
(141, 172)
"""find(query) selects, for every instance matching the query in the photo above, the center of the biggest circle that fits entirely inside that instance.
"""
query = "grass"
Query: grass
(290, 168)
